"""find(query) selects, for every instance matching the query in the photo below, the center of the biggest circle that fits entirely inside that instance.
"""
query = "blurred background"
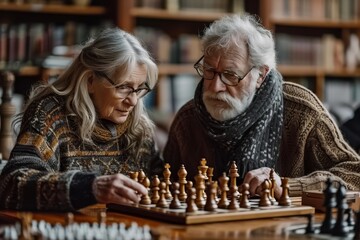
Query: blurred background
(317, 43)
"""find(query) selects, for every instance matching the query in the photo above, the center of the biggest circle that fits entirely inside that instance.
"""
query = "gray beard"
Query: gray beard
(236, 106)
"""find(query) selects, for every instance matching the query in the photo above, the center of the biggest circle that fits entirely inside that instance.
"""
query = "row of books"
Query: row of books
(343, 10)
(30, 43)
(326, 52)
(57, 2)
(236, 6)
(185, 49)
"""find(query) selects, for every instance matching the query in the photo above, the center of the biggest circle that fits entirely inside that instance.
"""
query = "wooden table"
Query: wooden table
(272, 228)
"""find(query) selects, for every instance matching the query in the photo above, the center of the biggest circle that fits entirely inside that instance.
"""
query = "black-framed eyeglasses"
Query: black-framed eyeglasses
(124, 91)
(227, 77)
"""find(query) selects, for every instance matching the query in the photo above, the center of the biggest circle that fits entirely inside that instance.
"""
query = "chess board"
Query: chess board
(179, 216)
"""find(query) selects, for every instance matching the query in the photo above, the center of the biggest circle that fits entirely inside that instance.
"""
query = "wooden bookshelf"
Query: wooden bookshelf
(315, 24)
(180, 15)
(13, 14)
(53, 9)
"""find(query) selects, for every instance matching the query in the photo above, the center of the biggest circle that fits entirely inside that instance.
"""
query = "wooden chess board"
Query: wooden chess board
(179, 216)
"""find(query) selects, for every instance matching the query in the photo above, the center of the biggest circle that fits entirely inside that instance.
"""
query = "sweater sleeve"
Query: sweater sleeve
(28, 182)
(33, 178)
(313, 148)
(327, 155)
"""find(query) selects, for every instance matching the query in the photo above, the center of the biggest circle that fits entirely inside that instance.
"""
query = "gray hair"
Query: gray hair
(241, 31)
(112, 50)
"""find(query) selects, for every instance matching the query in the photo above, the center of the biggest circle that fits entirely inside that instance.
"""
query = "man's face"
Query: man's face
(225, 102)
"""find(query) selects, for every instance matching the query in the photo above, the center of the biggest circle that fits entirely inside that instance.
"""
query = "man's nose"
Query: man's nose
(216, 85)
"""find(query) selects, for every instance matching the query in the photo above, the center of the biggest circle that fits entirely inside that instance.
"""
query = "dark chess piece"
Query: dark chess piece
(339, 228)
(357, 225)
(349, 217)
(310, 226)
(329, 203)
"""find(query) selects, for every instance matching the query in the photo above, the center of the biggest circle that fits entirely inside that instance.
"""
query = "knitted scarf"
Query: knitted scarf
(252, 139)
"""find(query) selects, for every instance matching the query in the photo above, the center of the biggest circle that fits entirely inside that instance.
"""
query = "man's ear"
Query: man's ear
(262, 75)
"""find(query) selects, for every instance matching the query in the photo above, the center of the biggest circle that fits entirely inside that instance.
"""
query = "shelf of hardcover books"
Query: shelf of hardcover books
(39, 39)
(53, 8)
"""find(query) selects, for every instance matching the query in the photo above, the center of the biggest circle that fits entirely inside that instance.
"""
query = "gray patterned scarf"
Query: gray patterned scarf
(252, 139)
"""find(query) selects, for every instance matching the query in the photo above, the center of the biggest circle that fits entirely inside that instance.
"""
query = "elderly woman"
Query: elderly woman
(81, 135)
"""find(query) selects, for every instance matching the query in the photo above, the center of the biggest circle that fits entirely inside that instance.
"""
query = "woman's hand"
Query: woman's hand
(257, 176)
(117, 188)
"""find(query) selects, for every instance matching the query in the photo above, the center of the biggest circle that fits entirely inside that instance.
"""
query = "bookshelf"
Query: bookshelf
(30, 31)
(313, 41)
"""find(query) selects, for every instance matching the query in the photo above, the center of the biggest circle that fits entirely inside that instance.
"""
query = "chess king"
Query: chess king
(244, 111)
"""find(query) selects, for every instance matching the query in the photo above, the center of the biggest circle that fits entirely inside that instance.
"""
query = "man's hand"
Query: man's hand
(257, 176)
(117, 188)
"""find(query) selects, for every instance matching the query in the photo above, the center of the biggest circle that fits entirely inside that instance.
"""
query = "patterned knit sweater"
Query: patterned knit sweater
(312, 147)
(51, 168)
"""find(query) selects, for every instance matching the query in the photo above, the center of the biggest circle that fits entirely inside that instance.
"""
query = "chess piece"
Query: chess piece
(211, 190)
(145, 199)
(190, 200)
(223, 185)
(272, 187)
(234, 204)
(265, 193)
(357, 226)
(7, 111)
(349, 217)
(329, 203)
(175, 203)
(203, 168)
(233, 174)
(182, 181)
(141, 176)
(134, 175)
(339, 228)
(210, 173)
(200, 187)
(155, 189)
(284, 198)
(162, 203)
(244, 199)
(25, 233)
(101, 217)
(69, 219)
(167, 174)
(310, 226)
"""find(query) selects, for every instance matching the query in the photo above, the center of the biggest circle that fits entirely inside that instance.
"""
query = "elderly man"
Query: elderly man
(242, 111)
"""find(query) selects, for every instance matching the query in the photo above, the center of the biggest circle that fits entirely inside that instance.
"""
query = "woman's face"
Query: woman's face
(109, 103)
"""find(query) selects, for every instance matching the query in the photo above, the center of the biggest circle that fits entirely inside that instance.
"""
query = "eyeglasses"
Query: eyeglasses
(124, 91)
(227, 77)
